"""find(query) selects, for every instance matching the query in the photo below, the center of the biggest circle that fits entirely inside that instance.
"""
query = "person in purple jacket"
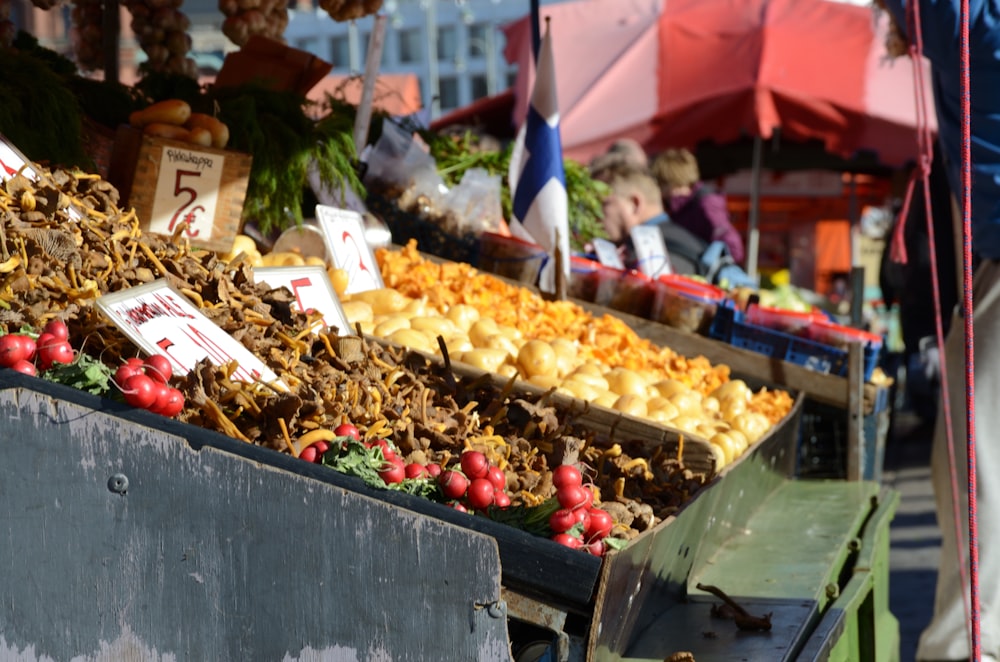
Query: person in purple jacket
(692, 204)
(947, 637)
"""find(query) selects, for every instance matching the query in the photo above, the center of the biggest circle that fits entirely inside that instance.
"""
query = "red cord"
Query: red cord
(970, 387)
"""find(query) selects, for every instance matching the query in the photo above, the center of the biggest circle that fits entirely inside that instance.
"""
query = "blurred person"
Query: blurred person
(624, 151)
(946, 637)
(693, 204)
(634, 199)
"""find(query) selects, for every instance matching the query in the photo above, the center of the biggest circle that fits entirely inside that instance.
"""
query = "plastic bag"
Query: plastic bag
(474, 204)
(402, 167)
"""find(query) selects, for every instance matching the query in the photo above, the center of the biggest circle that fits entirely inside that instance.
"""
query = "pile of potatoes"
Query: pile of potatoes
(722, 418)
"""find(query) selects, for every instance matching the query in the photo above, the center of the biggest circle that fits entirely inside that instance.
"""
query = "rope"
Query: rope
(970, 388)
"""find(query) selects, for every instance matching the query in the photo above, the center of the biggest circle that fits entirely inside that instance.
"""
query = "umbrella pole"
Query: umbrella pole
(753, 234)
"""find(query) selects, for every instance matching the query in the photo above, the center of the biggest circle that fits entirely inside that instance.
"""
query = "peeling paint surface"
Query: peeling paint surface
(208, 555)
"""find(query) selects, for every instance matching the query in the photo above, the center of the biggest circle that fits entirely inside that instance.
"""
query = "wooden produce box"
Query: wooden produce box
(169, 182)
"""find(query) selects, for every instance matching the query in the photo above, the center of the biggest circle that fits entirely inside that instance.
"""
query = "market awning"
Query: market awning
(395, 94)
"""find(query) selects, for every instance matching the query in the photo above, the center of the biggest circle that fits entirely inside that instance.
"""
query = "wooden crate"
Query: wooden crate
(168, 181)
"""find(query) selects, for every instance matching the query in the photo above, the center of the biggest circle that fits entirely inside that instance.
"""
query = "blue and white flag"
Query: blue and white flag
(536, 178)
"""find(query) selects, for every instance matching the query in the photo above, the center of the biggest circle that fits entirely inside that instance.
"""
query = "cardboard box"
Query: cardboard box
(169, 181)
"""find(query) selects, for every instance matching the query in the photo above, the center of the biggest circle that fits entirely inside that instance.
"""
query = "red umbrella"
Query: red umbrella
(673, 74)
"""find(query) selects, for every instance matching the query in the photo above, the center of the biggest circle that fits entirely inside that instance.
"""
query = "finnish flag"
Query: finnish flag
(536, 178)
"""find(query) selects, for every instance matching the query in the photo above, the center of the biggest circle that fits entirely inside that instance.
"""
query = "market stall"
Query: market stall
(243, 426)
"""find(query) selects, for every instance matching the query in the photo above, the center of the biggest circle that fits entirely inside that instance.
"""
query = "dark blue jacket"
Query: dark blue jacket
(940, 22)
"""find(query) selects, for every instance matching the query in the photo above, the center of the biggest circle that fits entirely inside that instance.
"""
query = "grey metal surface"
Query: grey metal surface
(125, 543)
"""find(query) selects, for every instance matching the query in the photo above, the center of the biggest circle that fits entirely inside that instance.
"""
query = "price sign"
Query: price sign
(650, 251)
(607, 254)
(344, 232)
(162, 321)
(312, 289)
(187, 190)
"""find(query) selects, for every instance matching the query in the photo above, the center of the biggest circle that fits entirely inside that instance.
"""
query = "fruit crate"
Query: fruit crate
(824, 439)
(430, 236)
(730, 326)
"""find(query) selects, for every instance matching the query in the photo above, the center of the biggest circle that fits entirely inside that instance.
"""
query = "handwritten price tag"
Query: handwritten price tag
(607, 254)
(187, 189)
(650, 251)
(344, 232)
(313, 291)
(162, 321)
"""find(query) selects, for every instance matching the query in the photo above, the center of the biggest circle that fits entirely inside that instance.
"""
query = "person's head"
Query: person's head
(633, 199)
(675, 169)
(624, 151)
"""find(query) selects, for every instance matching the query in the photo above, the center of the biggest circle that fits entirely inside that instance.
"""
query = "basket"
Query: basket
(730, 325)
(430, 237)
(685, 304)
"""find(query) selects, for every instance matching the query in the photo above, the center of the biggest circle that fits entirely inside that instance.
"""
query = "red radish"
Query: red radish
(480, 494)
(125, 371)
(395, 473)
(600, 524)
(321, 446)
(387, 453)
(417, 470)
(497, 477)
(562, 520)
(45, 340)
(567, 540)
(573, 497)
(501, 499)
(158, 367)
(172, 405)
(583, 517)
(57, 328)
(309, 454)
(162, 392)
(453, 484)
(475, 464)
(459, 506)
(135, 362)
(29, 347)
(565, 475)
(434, 469)
(60, 352)
(596, 547)
(140, 391)
(25, 367)
(12, 350)
(347, 430)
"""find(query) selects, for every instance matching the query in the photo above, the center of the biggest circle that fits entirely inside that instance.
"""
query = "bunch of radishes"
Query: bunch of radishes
(475, 484)
(578, 524)
(145, 383)
(27, 354)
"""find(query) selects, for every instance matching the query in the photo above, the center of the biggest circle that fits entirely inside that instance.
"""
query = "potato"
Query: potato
(590, 368)
(545, 381)
(511, 332)
(631, 404)
(386, 325)
(413, 339)
(579, 390)
(485, 358)
(663, 408)
(384, 301)
(508, 370)
(458, 344)
(339, 280)
(607, 399)
(169, 111)
(597, 381)
(419, 308)
(626, 382)
(720, 456)
(736, 387)
(481, 330)
(687, 402)
(752, 425)
(667, 387)
(739, 439)
(357, 311)
(500, 341)
(463, 315)
(536, 357)
(688, 424)
(729, 448)
(433, 325)
(732, 407)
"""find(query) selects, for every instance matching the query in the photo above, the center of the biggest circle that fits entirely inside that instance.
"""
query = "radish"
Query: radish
(596, 547)
(453, 484)
(57, 352)
(125, 371)
(497, 477)
(501, 499)
(434, 469)
(562, 520)
(394, 474)
(57, 328)
(475, 464)
(140, 391)
(480, 494)
(309, 454)
(565, 475)
(600, 524)
(172, 404)
(12, 350)
(573, 497)
(347, 430)
(567, 540)
(417, 470)
(158, 367)
(25, 367)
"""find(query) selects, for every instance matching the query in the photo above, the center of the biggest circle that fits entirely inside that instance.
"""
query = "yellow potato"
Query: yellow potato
(357, 311)
(597, 381)
(579, 390)
(687, 402)
(626, 382)
(660, 416)
(386, 325)
(508, 370)
(631, 404)
(481, 330)
(726, 444)
(314, 261)
(289, 259)
(590, 368)
(419, 308)
(719, 455)
(732, 407)
(752, 425)
(607, 399)
(736, 387)
(242, 244)
(339, 279)
(564, 347)
(500, 341)
(739, 439)
(688, 424)
(667, 387)
(384, 301)
(463, 315)
(413, 339)
(434, 325)
(536, 357)
(544, 381)
(485, 358)
(710, 405)
(511, 332)
(458, 343)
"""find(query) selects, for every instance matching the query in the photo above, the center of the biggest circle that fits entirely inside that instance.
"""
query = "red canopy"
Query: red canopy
(673, 74)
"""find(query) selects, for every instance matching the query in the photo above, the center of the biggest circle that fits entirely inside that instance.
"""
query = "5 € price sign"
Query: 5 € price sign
(344, 232)
(187, 190)
(650, 251)
(161, 320)
(312, 290)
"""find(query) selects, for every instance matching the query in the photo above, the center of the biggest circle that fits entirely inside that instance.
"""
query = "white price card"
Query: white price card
(344, 231)
(187, 190)
(312, 290)
(607, 254)
(650, 251)
(161, 320)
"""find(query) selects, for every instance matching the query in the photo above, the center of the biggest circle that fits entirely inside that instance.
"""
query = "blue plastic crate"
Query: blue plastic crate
(729, 326)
